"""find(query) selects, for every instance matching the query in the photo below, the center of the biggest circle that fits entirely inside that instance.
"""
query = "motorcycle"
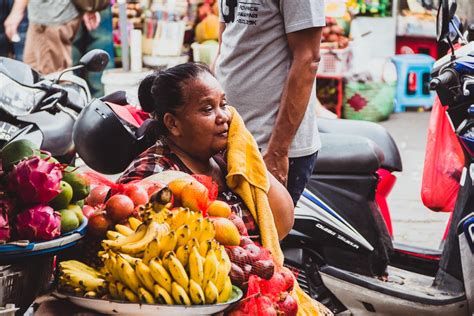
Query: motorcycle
(43, 109)
(340, 242)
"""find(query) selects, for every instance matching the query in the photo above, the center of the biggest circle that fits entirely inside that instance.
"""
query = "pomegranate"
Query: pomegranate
(119, 207)
(289, 279)
(97, 195)
(137, 194)
(253, 252)
(287, 305)
(245, 240)
(99, 224)
(88, 211)
(265, 306)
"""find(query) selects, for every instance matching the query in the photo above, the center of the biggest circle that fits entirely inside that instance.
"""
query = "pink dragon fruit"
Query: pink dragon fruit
(4, 227)
(6, 209)
(40, 222)
(36, 180)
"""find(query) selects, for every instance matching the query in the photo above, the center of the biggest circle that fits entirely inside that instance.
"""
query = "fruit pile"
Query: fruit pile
(333, 35)
(39, 197)
(183, 247)
(170, 258)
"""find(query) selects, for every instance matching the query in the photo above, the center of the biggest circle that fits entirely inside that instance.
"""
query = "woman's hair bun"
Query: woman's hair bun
(145, 96)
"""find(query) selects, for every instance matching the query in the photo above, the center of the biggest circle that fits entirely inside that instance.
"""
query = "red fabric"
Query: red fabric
(139, 115)
(444, 161)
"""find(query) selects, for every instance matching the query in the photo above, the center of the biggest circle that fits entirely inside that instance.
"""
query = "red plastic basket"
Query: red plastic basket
(335, 61)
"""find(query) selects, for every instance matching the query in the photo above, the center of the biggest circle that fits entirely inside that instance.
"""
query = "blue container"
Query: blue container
(416, 93)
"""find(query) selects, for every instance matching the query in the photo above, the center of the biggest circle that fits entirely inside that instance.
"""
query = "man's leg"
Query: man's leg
(299, 171)
(49, 48)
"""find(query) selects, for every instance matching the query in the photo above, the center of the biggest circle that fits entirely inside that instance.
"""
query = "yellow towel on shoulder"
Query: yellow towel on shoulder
(247, 176)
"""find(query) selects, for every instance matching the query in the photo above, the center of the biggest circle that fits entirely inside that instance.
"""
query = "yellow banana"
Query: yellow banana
(207, 231)
(130, 259)
(140, 245)
(193, 242)
(183, 233)
(223, 257)
(177, 271)
(180, 218)
(145, 296)
(144, 275)
(90, 294)
(160, 275)
(74, 264)
(162, 296)
(226, 292)
(196, 293)
(221, 276)
(130, 296)
(179, 294)
(113, 235)
(211, 293)
(195, 227)
(152, 250)
(127, 274)
(204, 247)
(166, 259)
(196, 266)
(134, 222)
(124, 230)
(86, 282)
(138, 235)
(168, 242)
(182, 253)
(194, 216)
(210, 267)
(113, 291)
(112, 266)
(120, 290)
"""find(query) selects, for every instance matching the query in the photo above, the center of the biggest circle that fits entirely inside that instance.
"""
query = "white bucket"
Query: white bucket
(117, 79)
(205, 53)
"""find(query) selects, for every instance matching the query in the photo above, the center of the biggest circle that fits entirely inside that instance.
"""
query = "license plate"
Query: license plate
(7, 131)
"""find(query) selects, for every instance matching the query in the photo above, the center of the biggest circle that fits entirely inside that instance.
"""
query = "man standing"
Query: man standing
(52, 27)
(267, 63)
(11, 48)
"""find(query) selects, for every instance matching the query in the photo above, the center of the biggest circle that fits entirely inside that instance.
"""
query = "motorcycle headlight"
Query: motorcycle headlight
(16, 99)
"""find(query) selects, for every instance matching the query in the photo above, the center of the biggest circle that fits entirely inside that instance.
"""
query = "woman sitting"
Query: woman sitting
(192, 110)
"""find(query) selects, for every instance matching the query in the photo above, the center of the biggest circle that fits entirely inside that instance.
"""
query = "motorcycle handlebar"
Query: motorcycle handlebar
(443, 79)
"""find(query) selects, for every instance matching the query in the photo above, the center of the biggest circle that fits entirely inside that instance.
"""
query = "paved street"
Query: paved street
(413, 223)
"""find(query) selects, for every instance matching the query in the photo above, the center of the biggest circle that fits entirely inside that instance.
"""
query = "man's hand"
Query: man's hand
(277, 165)
(12, 22)
(91, 20)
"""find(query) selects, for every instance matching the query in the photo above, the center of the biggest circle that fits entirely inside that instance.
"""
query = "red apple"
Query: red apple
(287, 305)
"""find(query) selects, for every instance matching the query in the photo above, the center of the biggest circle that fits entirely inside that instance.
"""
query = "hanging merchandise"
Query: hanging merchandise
(164, 27)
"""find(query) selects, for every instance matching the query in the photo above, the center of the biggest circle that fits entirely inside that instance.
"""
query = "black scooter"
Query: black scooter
(340, 243)
(43, 109)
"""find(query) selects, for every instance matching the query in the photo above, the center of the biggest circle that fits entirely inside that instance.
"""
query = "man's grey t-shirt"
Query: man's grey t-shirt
(51, 12)
(255, 60)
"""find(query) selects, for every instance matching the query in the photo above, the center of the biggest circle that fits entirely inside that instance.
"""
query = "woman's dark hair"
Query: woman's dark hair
(162, 91)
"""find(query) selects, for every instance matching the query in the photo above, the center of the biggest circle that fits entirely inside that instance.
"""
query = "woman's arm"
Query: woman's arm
(282, 207)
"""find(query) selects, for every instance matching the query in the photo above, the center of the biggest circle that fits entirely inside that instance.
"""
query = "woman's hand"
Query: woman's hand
(282, 207)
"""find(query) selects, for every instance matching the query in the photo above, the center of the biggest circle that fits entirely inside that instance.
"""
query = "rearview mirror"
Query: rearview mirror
(96, 60)
(446, 11)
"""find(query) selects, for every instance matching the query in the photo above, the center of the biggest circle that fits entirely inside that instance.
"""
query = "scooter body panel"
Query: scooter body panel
(403, 293)
(466, 247)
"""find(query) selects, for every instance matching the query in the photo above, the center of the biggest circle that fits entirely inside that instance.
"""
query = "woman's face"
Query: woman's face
(202, 123)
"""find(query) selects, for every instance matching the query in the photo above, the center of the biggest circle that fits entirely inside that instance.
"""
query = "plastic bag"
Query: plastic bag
(444, 161)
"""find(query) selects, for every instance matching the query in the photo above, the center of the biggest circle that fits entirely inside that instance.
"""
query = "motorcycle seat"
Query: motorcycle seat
(347, 154)
(375, 132)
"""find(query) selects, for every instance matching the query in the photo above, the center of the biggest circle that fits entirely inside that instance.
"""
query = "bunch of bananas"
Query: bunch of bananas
(170, 258)
(78, 278)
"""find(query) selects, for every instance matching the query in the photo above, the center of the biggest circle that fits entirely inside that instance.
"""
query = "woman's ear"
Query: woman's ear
(172, 124)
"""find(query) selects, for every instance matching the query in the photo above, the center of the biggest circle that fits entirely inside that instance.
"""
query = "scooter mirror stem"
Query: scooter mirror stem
(67, 70)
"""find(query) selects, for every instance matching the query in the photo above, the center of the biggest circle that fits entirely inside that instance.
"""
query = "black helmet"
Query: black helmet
(106, 142)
